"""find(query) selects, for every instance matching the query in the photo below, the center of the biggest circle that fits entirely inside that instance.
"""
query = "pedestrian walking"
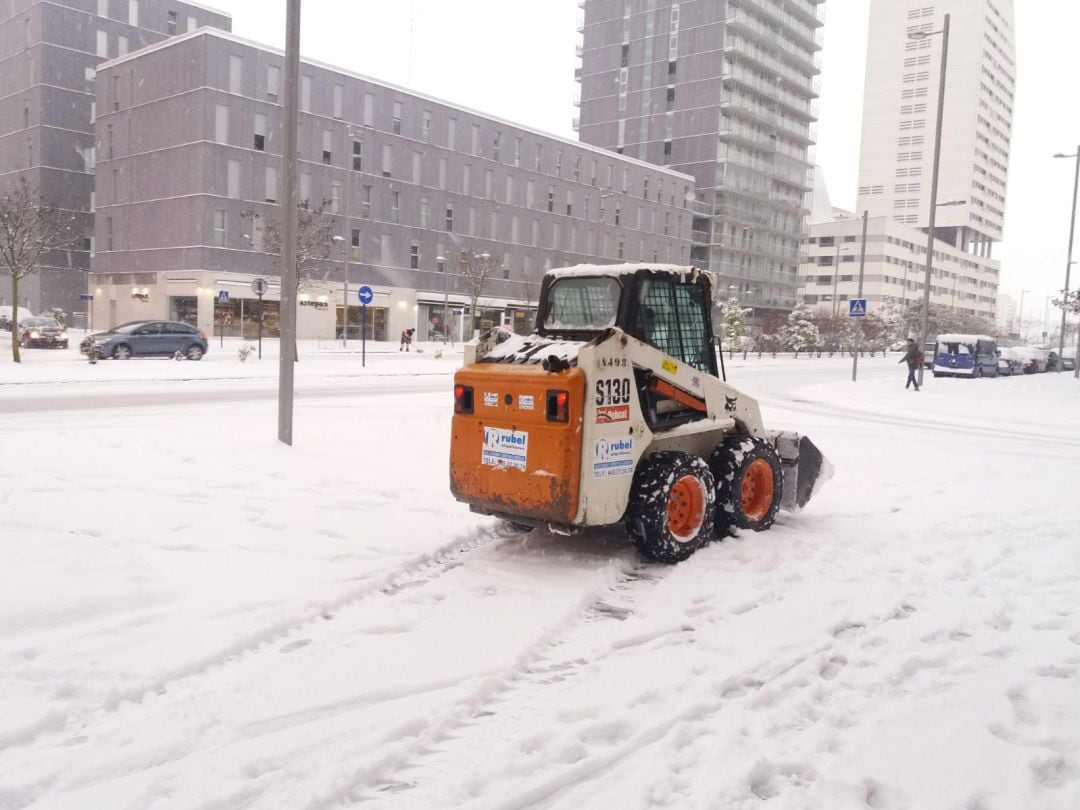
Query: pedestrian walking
(406, 340)
(914, 357)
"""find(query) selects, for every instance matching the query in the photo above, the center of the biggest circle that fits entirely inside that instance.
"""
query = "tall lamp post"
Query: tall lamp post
(1021, 329)
(934, 179)
(1068, 259)
(440, 262)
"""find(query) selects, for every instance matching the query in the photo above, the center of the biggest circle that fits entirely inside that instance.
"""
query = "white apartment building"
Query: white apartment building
(900, 110)
(895, 268)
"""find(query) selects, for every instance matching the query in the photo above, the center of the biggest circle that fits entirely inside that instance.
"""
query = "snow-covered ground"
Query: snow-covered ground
(194, 616)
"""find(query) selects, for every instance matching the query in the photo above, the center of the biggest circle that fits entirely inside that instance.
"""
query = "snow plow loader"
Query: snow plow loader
(613, 411)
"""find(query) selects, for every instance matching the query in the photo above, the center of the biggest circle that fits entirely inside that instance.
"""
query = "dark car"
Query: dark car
(42, 333)
(147, 339)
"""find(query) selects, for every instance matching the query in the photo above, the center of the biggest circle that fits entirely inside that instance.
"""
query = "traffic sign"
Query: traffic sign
(259, 286)
(857, 307)
(223, 296)
(365, 294)
(86, 297)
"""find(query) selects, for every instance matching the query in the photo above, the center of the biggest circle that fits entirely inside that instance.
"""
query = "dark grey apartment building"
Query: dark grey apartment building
(724, 90)
(49, 52)
(189, 170)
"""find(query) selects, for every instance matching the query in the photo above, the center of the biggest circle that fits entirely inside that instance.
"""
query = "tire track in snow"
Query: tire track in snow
(418, 739)
(418, 571)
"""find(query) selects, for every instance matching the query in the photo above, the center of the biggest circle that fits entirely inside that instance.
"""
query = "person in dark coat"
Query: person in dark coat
(913, 356)
(406, 340)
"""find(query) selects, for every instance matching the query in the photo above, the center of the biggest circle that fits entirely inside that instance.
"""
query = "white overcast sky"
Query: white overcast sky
(515, 59)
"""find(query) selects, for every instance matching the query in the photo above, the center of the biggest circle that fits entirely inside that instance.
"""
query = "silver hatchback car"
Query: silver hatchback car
(147, 339)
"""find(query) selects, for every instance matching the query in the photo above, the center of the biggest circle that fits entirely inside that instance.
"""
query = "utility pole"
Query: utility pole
(1068, 259)
(287, 360)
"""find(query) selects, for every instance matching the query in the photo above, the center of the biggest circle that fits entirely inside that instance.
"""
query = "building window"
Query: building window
(569, 203)
(517, 151)
(365, 203)
(236, 71)
(618, 213)
(395, 206)
(221, 123)
(335, 197)
(108, 233)
(450, 218)
(495, 147)
(355, 244)
(305, 188)
(625, 61)
(667, 148)
(442, 173)
(451, 133)
(539, 157)
(170, 25)
(327, 151)
(339, 100)
(425, 212)
(476, 139)
(233, 174)
(414, 256)
(425, 126)
(416, 157)
(102, 43)
(260, 132)
(558, 163)
(369, 109)
(551, 199)
(133, 12)
(273, 77)
(357, 156)
(103, 8)
(671, 70)
(121, 45)
(219, 227)
(271, 185)
(305, 93)
(387, 159)
(397, 118)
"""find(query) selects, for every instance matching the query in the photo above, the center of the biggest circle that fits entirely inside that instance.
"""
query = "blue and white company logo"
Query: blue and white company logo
(505, 448)
(613, 457)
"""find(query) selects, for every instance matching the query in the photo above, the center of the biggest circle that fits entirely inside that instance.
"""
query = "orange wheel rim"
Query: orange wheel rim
(686, 508)
(757, 489)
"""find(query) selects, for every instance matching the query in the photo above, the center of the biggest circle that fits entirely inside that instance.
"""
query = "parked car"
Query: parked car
(40, 332)
(1013, 359)
(1005, 368)
(5, 318)
(970, 356)
(1068, 362)
(147, 339)
(1034, 360)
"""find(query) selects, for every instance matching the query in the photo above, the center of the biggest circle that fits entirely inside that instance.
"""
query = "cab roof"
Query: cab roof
(619, 269)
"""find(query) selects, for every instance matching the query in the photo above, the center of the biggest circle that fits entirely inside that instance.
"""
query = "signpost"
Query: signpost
(857, 305)
(366, 296)
(222, 299)
(89, 310)
(258, 286)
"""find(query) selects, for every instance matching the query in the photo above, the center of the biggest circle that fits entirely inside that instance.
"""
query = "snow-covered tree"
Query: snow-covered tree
(834, 331)
(734, 319)
(800, 332)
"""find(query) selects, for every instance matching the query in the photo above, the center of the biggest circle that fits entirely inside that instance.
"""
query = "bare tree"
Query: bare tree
(314, 242)
(29, 230)
(476, 269)
(314, 238)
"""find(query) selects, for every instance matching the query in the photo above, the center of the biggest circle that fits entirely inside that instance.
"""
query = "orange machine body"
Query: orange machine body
(508, 457)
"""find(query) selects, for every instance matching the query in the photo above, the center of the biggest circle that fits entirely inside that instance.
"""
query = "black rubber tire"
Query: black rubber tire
(520, 528)
(729, 463)
(646, 518)
(194, 352)
(122, 352)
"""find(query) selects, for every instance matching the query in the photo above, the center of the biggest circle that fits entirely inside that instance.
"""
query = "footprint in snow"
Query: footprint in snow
(1052, 671)
(847, 629)
(295, 645)
(1054, 771)
(831, 668)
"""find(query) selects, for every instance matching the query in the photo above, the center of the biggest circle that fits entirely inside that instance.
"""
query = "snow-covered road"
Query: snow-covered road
(196, 617)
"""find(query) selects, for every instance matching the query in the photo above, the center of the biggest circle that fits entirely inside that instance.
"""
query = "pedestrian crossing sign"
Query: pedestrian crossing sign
(857, 307)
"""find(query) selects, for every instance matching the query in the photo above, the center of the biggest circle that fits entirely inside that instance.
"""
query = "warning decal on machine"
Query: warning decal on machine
(613, 457)
(505, 448)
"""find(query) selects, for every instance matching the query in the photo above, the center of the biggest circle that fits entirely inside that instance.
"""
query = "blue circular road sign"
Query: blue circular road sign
(365, 294)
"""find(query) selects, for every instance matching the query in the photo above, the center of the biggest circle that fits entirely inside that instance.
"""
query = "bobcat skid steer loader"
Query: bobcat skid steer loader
(612, 411)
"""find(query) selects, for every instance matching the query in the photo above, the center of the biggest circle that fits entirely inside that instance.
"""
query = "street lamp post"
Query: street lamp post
(440, 261)
(1068, 259)
(934, 179)
(1020, 331)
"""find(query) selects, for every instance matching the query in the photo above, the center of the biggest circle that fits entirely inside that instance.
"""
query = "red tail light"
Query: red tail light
(558, 406)
(463, 399)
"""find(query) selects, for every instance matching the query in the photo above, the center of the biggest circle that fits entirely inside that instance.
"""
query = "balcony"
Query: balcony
(745, 25)
(745, 50)
(770, 90)
(797, 27)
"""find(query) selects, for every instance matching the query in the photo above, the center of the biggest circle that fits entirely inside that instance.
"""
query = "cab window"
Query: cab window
(671, 317)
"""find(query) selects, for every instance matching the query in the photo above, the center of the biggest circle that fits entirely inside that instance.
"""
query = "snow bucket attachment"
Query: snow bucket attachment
(805, 469)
